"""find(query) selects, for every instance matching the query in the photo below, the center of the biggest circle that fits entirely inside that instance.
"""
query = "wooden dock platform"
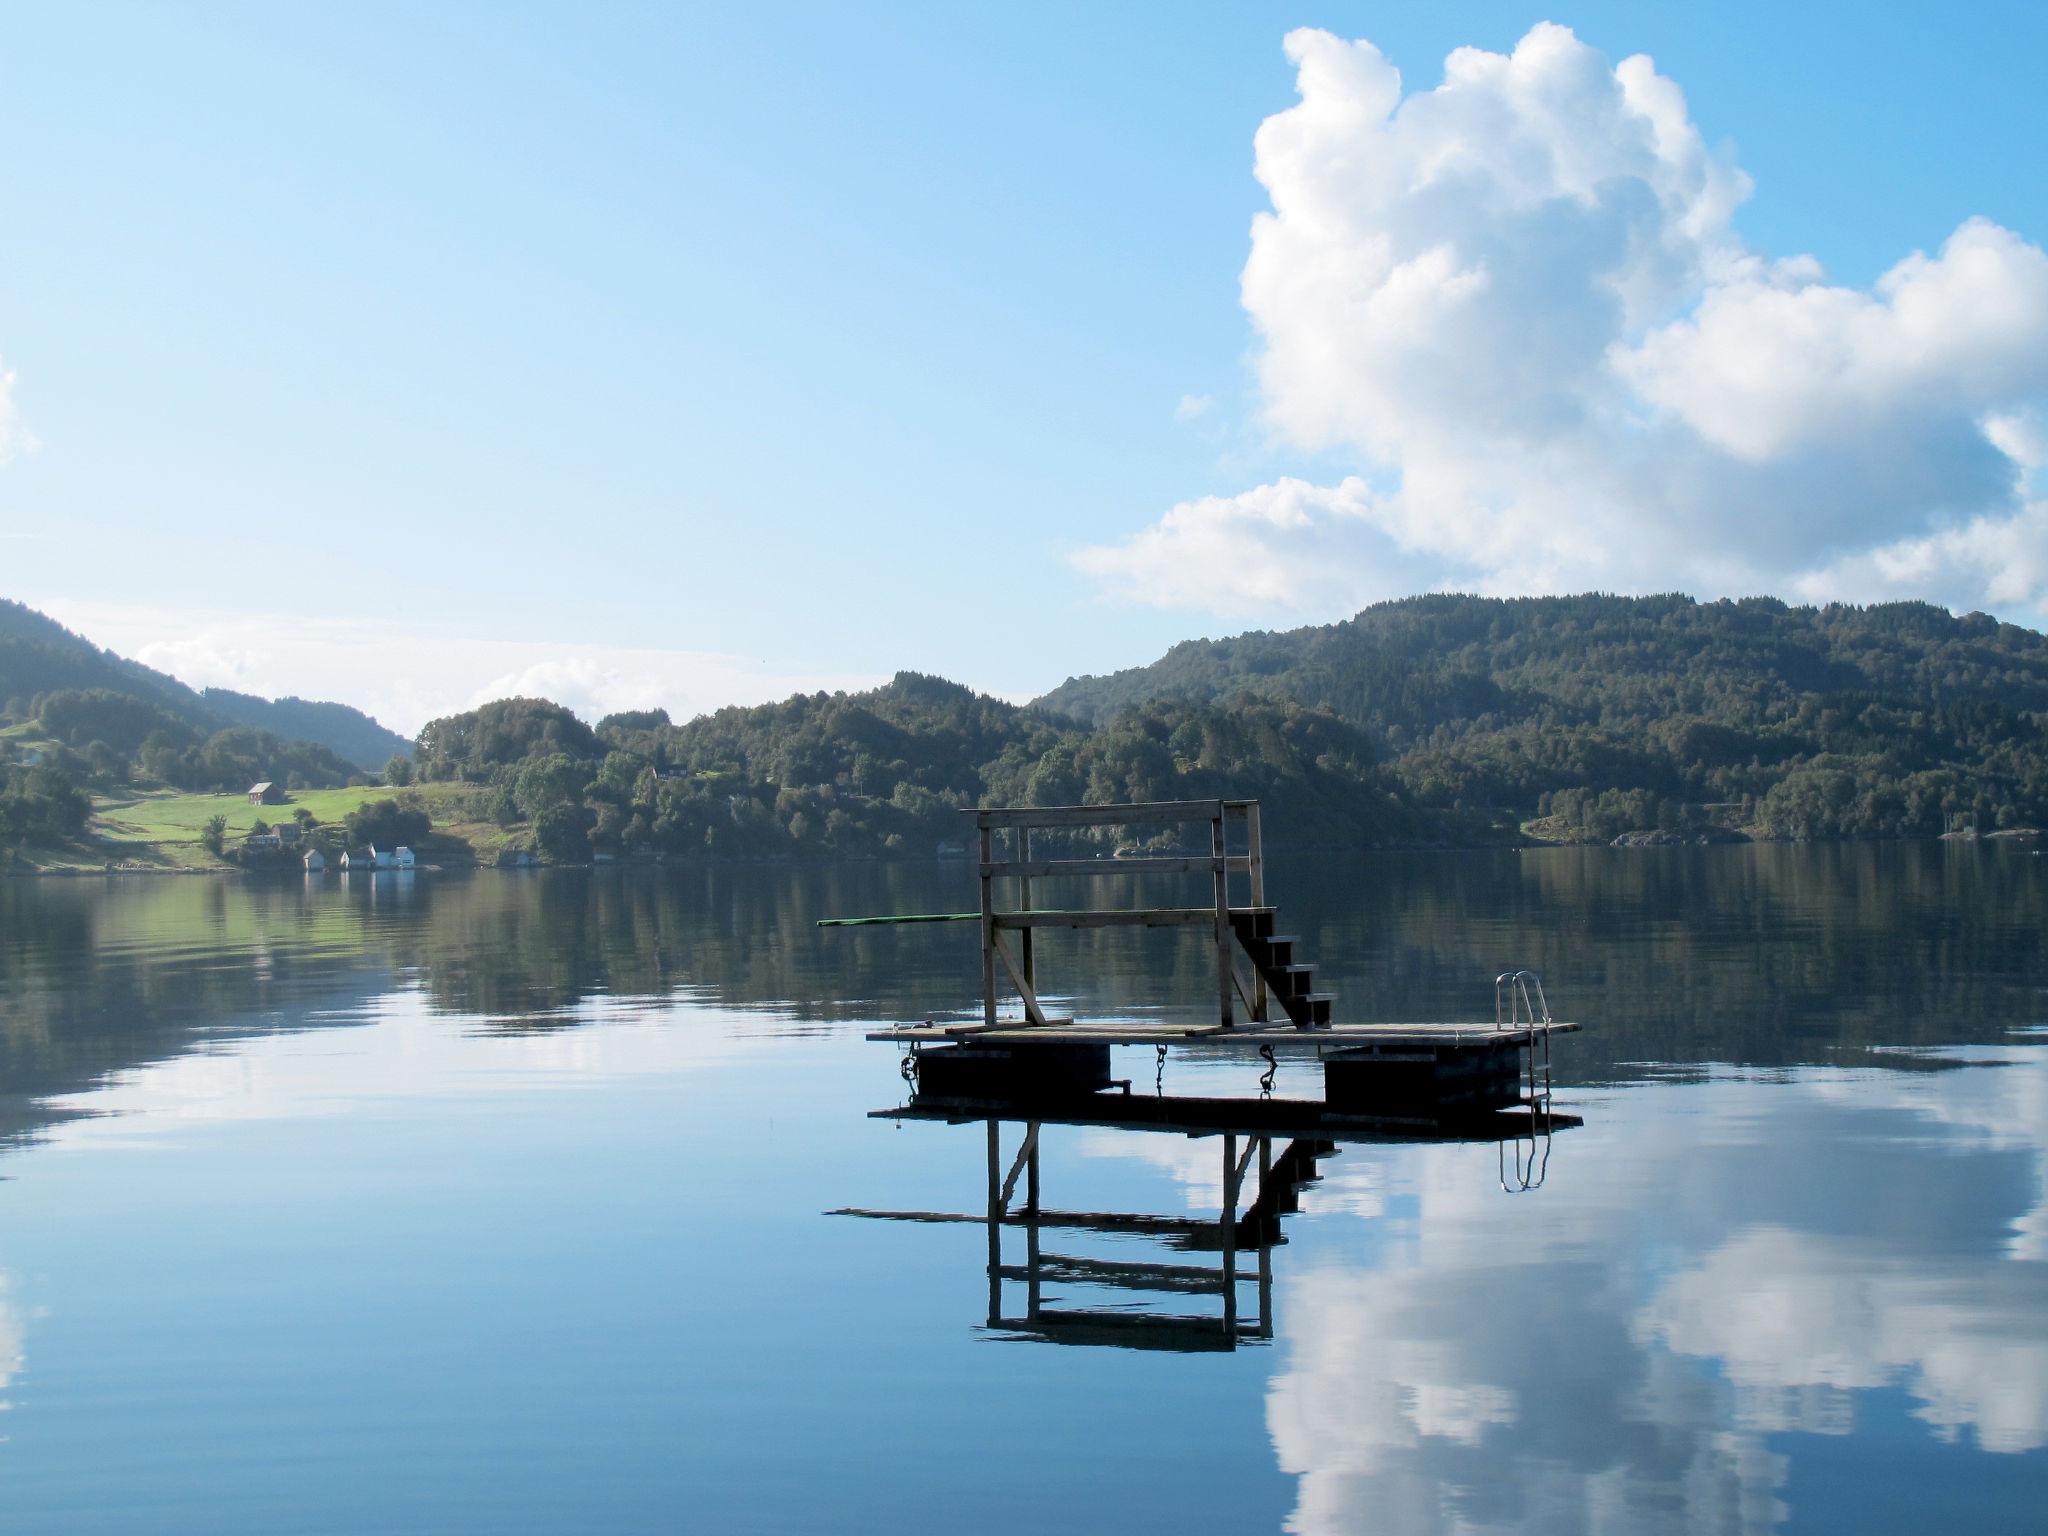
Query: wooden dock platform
(1441, 1067)
(1323, 1040)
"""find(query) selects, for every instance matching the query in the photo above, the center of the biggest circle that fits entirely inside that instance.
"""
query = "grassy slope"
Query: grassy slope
(160, 829)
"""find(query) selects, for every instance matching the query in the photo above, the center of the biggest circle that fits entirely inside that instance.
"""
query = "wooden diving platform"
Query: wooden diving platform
(1324, 1039)
(1443, 1067)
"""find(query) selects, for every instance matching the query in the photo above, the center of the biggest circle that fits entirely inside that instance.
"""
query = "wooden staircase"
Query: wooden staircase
(1289, 982)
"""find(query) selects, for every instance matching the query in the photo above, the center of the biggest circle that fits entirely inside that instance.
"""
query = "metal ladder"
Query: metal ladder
(1515, 1007)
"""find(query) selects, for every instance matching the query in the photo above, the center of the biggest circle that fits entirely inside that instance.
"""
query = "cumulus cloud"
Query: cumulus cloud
(1192, 407)
(1519, 304)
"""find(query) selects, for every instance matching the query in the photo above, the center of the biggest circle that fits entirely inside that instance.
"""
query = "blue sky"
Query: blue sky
(696, 354)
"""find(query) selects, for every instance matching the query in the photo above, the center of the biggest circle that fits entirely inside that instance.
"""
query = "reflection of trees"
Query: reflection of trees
(1767, 955)
(99, 976)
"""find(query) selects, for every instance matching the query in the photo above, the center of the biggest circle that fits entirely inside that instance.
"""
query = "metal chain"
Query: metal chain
(1159, 1074)
(1272, 1071)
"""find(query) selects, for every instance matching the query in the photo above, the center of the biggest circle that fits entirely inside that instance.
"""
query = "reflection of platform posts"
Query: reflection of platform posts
(1258, 1229)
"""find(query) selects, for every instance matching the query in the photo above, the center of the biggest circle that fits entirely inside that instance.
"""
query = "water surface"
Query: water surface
(497, 1203)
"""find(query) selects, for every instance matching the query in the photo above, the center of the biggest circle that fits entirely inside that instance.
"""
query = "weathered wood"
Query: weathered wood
(1255, 860)
(1226, 979)
(1148, 865)
(1135, 917)
(1024, 943)
(988, 932)
(905, 917)
(1327, 1039)
(1032, 1011)
(1152, 812)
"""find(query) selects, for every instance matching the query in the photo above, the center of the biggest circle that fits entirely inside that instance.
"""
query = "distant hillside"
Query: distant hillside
(348, 733)
(39, 656)
(886, 772)
(1612, 712)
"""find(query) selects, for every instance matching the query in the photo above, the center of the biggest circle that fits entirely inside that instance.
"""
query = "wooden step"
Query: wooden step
(1311, 1010)
(1252, 922)
(1291, 980)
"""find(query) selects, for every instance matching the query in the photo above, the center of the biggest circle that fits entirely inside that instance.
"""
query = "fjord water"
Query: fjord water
(498, 1203)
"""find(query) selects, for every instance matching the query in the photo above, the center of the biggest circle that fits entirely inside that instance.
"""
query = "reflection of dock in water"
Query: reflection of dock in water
(1242, 1235)
(1381, 1082)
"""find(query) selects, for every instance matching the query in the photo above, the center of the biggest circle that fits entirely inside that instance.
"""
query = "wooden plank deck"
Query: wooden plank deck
(1280, 1036)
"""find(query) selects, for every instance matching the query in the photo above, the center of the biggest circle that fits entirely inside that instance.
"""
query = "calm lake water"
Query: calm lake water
(499, 1203)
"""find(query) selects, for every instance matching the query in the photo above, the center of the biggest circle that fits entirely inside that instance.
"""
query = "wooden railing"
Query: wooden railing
(1024, 918)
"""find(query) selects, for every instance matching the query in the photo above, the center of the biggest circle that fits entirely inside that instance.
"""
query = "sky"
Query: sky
(638, 355)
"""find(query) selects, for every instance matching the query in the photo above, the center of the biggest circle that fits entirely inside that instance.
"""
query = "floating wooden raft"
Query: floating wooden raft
(1388, 1040)
(1446, 1068)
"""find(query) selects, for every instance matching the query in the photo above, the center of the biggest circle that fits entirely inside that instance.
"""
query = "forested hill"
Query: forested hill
(1611, 712)
(887, 772)
(40, 657)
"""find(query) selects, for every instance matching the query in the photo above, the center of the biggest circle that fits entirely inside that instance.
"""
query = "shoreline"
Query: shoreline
(1626, 842)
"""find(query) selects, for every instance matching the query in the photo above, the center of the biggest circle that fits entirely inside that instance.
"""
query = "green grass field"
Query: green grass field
(160, 829)
(173, 817)
(170, 816)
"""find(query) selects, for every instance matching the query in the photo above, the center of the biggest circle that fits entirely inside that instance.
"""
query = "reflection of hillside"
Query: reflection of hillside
(1766, 955)
(99, 976)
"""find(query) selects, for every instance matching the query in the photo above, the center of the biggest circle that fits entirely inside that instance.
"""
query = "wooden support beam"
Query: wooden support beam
(1095, 868)
(1153, 812)
(1255, 863)
(988, 932)
(1135, 917)
(1226, 979)
(1023, 860)
(1034, 1014)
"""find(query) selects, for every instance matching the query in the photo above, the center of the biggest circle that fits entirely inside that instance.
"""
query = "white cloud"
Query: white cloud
(1192, 407)
(406, 677)
(15, 437)
(11, 1332)
(1518, 302)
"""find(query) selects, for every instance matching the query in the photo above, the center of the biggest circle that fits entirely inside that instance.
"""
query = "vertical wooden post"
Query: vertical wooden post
(988, 928)
(1255, 851)
(995, 1222)
(1026, 937)
(1224, 982)
(1230, 1233)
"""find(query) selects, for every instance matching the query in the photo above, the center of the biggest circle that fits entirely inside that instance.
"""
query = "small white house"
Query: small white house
(360, 859)
(315, 861)
(401, 858)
